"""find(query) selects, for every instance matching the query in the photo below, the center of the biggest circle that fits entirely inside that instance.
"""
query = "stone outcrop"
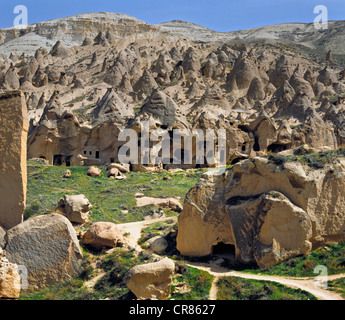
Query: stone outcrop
(102, 235)
(13, 173)
(171, 203)
(112, 81)
(282, 72)
(10, 282)
(212, 97)
(72, 142)
(157, 244)
(93, 171)
(146, 84)
(152, 280)
(115, 171)
(48, 247)
(75, 208)
(327, 77)
(269, 210)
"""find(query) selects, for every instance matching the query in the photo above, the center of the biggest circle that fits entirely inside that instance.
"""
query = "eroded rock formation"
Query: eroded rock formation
(268, 211)
(13, 174)
(10, 282)
(48, 247)
(151, 280)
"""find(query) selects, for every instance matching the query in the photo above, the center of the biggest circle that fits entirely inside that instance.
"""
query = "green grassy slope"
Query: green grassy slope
(109, 197)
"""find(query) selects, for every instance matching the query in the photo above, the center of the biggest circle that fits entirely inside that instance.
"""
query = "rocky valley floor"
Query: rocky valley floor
(96, 228)
(214, 277)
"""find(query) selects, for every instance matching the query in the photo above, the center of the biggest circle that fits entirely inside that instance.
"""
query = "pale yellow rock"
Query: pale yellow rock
(13, 172)
(94, 171)
(103, 234)
(171, 203)
(10, 283)
(269, 212)
(48, 247)
(152, 280)
(76, 208)
(113, 172)
(124, 168)
(286, 228)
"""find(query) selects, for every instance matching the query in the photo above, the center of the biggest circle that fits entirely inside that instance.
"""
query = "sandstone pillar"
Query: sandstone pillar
(13, 171)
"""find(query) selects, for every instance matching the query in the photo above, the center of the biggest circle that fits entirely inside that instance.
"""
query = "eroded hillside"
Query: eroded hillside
(269, 97)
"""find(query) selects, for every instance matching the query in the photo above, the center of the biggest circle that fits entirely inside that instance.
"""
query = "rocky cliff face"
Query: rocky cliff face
(269, 212)
(71, 31)
(105, 72)
(13, 145)
(304, 34)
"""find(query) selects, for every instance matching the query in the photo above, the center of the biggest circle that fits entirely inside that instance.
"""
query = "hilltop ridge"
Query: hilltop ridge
(70, 30)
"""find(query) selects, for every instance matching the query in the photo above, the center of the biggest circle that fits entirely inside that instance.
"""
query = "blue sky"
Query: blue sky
(220, 15)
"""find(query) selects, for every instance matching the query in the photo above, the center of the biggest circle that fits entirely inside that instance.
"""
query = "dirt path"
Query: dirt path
(133, 234)
(214, 288)
(91, 283)
(133, 230)
(306, 284)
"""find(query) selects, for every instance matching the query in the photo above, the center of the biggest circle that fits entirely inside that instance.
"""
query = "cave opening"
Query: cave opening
(256, 146)
(223, 250)
(275, 147)
(57, 160)
(68, 161)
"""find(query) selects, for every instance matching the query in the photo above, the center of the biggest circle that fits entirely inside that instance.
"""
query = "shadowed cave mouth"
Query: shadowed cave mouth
(237, 160)
(227, 252)
(223, 249)
(234, 201)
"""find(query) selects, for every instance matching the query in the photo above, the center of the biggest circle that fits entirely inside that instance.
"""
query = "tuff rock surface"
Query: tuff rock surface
(151, 280)
(48, 247)
(269, 212)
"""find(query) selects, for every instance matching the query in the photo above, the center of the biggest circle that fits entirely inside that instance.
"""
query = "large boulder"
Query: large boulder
(75, 208)
(48, 247)
(9, 278)
(115, 171)
(93, 171)
(102, 234)
(278, 229)
(170, 203)
(158, 244)
(122, 167)
(13, 173)
(268, 209)
(152, 280)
